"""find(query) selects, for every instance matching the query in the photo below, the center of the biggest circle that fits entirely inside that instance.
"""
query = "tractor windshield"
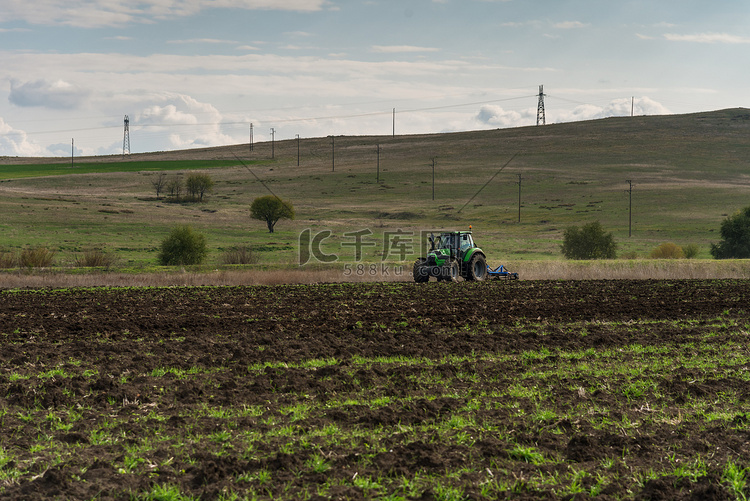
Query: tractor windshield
(466, 242)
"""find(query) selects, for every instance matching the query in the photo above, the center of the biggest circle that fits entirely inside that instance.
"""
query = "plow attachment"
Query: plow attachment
(501, 272)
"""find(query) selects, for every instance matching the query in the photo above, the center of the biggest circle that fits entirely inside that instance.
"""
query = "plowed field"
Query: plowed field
(522, 390)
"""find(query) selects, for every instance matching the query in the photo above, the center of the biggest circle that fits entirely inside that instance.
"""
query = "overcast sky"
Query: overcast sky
(195, 73)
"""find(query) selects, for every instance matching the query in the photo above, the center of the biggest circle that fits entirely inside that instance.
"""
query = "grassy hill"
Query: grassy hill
(688, 172)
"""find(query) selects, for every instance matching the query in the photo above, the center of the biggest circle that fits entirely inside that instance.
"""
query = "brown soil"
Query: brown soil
(125, 335)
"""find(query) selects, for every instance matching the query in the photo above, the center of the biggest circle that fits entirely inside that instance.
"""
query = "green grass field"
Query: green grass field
(688, 173)
(12, 171)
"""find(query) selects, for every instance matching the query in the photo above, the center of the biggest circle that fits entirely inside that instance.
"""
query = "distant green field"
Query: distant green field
(59, 169)
(688, 172)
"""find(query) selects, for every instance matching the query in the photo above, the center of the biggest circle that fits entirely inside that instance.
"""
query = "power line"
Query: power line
(169, 127)
(256, 176)
(288, 120)
(489, 181)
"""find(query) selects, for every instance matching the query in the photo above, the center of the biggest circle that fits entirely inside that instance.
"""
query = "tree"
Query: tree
(199, 184)
(159, 183)
(183, 246)
(588, 242)
(735, 237)
(174, 187)
(270, 209)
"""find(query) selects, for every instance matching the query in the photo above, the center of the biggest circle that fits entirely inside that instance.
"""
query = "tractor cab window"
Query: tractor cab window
(466, 242)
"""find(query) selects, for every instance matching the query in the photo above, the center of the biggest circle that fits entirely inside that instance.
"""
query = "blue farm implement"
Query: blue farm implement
(501, 273)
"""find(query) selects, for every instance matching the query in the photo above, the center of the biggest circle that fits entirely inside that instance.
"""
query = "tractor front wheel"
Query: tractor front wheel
(420, 271)
(452, 271)
(477, 269)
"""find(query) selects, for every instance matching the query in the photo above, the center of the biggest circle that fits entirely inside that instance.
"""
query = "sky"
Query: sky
(197, 73)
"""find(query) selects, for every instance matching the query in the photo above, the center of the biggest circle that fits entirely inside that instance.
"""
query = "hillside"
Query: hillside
(687, 172)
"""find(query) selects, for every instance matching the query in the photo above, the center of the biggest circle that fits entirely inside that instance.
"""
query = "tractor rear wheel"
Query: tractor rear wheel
(420, 271)
(477, 269)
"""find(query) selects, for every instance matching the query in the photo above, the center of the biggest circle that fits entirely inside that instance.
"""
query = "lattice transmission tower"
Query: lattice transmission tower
(540, 119)
(126, 138)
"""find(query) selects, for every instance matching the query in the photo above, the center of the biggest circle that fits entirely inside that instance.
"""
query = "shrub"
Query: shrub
(159, 183)
(174, 188)
(7, 260)
(667, 250)
(39, 257)
(588, 242)
(629, 255)
(239, 255)
(94, 258)
(183, 246)
(690, 250)
(735, 237)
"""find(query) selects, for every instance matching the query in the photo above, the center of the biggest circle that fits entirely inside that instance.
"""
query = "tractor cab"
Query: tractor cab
(455, 244)
(466, 242)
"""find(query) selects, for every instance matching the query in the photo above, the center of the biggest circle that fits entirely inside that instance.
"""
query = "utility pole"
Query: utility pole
(251, 136)
(377, 179)
(333, 154)
(632, 105)
(126, 138)
(433, 178)
(273, 141)
(394, 121)
(630, 207)
(540, 118)
(297, 150)
(72, 148)
(519, 198)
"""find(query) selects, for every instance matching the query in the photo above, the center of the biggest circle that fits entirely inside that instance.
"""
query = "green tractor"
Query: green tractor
(452, 254)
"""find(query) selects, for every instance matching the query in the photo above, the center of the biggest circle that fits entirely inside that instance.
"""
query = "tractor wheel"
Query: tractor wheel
(420, 271)
(477, 269)
(452, 271)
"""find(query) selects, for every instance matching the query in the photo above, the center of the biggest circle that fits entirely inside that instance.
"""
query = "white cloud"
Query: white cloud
(186, 121)
(390, 49)
(570, 25)
(56, 94)
(89, 13)
(64, 150)
(120, 70)
(496, 116)
(724, 38)
(14, 142)
(202, 40)
(615, 108)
